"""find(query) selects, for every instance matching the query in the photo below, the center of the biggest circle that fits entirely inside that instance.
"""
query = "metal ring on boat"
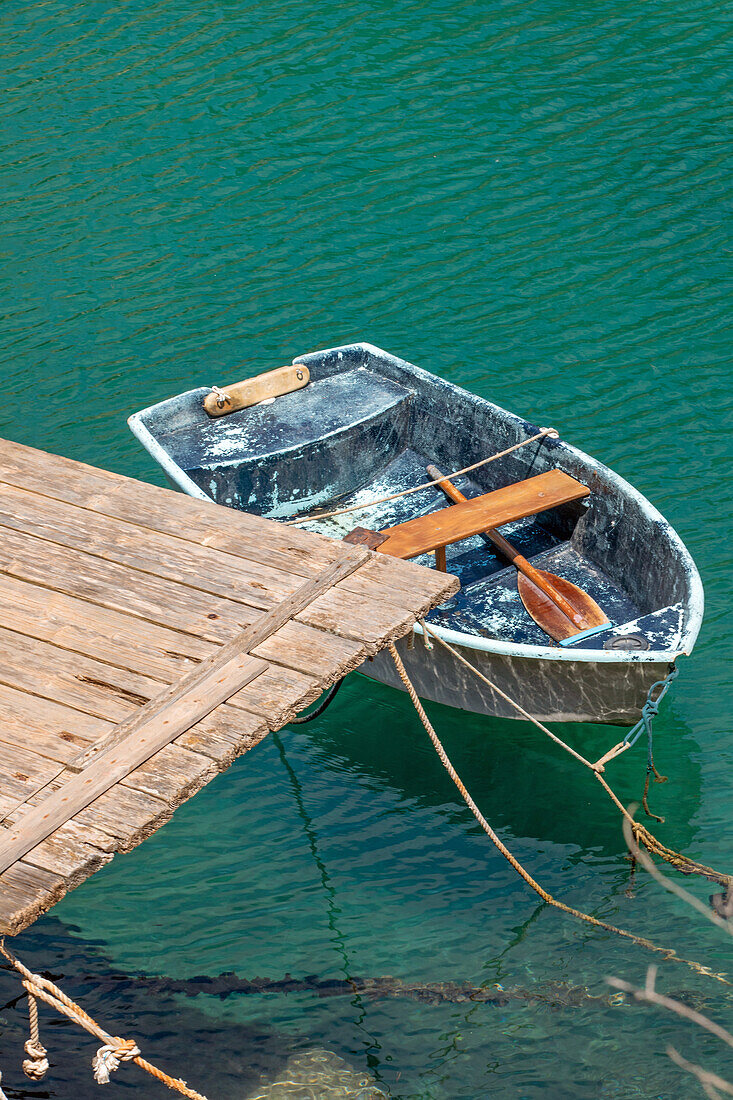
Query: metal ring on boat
(627, 641)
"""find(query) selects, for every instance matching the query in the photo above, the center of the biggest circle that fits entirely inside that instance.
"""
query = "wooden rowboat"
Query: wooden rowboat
(356, 425)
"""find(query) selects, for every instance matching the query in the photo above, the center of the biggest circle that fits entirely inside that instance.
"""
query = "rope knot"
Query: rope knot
(651, 707)
(36, 1064)
(108, 1058)
(222, 397)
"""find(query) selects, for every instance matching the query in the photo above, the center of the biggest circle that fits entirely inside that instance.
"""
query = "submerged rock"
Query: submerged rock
(319, 1075)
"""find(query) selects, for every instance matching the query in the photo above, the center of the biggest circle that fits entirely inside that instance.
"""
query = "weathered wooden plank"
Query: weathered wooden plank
(216, 676)
(280, 693)
(161, 555)
(111, 693)
(118, 814)
(277, 695)
(44, 726)
(36, 746)
(155, 508)
(75, 625)
(41, 668)
(238, 533)
(123, 813)
(219, 737)
(233, 659)
(461, 521)
(172, 557)
(196, 611)
(60, 730)
(143, 646)
(67, 854)
(173, 774)
(7, 803)
(23, 772)
(25, 893)
(72, 833)
(156, 723)
(146, 732)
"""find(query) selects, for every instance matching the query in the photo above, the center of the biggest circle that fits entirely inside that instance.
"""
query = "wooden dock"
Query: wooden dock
(146, 641)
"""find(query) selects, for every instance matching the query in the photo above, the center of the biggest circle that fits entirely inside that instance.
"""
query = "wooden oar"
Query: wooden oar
(558, 606)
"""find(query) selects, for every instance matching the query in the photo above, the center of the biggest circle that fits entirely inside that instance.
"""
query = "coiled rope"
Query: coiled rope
(543, 433)
(109, 1056)
(641, 941)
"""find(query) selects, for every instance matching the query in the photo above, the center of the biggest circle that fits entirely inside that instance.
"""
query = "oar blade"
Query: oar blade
(549, 617)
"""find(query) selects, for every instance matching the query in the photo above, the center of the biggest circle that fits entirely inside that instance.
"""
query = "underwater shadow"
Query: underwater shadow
(526, 785)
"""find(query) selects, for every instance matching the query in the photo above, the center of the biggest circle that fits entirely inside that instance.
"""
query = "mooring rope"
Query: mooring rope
(641, 941)
(322, 706)
(543, 433)
(683, 863)
(648, 713)
(36, 1064)
(109, 1056)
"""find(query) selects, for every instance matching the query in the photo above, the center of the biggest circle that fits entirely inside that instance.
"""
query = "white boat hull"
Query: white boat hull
(564, 690)
(362, 433)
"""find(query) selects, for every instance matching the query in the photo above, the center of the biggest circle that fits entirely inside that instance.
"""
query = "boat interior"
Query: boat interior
(367, 425)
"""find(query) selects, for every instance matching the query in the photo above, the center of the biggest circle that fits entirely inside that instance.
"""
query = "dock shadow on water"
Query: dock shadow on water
(340, 852)
(256, 1062)
(261, 1063)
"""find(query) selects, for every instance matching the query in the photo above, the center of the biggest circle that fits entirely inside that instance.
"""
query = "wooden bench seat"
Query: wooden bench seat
(461, 521)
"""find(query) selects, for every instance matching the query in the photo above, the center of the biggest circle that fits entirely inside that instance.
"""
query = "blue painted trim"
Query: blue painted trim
(586, 634)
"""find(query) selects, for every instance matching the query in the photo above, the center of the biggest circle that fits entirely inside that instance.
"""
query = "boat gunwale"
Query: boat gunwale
(169, 466)
(694, 603)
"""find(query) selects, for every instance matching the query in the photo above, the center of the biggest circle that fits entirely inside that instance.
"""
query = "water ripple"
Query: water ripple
(532, 200)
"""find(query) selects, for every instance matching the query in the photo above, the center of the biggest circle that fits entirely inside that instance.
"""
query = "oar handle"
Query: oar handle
(511, 553)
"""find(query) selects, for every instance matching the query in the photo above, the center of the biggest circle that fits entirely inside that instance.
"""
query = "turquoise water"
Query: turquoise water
(533, 201)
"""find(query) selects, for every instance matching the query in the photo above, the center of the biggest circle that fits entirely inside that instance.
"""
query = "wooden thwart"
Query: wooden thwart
(438, 529)
(558, 606)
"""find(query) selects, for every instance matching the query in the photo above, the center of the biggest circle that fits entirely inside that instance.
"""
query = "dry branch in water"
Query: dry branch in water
(649, 865)
(650, 996)
(712, 1085)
